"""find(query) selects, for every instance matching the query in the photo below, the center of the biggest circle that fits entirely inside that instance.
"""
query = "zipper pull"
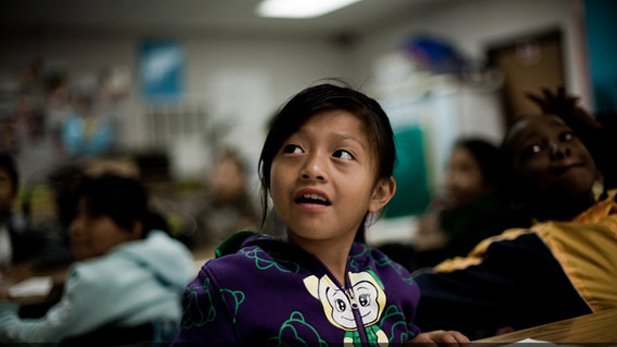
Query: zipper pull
(352, 299)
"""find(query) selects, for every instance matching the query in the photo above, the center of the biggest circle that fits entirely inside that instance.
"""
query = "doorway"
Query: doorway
(528, 63)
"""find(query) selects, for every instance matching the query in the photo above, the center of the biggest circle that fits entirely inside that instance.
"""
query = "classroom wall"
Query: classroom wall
(242, 81)
(602, 27)
(474, 25)
(239, 82)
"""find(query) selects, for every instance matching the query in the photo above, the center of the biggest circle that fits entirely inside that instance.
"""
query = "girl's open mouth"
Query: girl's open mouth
(312, 199)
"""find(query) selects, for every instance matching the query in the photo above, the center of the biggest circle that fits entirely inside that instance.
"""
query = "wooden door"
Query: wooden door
(528, 64)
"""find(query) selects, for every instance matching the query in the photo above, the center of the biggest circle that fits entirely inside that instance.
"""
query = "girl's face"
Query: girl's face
(323, 179)
(227, 180)
(550, 160)
(464, 179)
(93, 236)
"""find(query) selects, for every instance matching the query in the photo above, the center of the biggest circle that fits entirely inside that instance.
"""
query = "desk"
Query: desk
(597, 327)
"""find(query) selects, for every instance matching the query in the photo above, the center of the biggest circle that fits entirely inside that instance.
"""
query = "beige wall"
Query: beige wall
(242, 81)
(473, 25)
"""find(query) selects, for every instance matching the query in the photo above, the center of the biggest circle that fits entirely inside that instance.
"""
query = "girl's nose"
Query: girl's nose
(449, 179)
(314, 168)
(560, 151)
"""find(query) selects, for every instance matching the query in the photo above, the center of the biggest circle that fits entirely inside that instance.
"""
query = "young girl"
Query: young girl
(327, 166)
(467, 211)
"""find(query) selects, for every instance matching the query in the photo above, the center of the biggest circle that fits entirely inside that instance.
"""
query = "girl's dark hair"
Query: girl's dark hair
(122, 199)
(486, 154)
(320, 98)
(7, 163)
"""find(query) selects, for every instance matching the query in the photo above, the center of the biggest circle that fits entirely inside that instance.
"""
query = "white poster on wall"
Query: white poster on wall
(240, 110)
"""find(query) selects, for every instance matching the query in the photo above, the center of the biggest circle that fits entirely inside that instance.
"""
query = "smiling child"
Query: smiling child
(563, 266)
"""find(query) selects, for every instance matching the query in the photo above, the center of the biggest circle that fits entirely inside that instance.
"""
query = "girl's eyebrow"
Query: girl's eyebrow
(558, 124)
(532, 133)
(520, 139)
(345, 137)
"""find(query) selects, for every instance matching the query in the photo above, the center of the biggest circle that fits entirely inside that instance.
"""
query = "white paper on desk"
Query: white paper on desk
(34, 286)
(528, 341)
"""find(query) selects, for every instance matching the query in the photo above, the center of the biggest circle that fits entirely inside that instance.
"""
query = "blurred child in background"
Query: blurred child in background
(467, 211)
(19, 245)
(225, 206)
(126, 275)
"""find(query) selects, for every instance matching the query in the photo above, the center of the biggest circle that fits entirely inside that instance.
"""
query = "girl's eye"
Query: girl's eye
(462, 168)
(342, 154)
(531, 150)
(535, 149)
(292, 149)
(566, 136)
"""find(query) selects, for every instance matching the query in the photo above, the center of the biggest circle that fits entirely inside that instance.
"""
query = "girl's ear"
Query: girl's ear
(383, 192)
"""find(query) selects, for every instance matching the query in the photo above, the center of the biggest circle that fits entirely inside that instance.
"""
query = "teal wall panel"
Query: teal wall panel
(412, 195)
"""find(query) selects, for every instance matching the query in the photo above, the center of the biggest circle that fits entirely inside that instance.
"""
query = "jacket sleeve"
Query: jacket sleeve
(517, 283)
(206, 319)
(73, 315)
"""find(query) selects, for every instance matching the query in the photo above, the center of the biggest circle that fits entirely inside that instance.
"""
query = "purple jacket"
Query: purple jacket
(266, 292)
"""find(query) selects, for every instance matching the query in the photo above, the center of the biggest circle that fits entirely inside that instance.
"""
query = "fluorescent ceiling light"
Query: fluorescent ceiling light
(300, 8)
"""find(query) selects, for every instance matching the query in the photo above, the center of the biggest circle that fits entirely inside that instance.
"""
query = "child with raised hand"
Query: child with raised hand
(327, 166)
(563, 266)
(597, 132)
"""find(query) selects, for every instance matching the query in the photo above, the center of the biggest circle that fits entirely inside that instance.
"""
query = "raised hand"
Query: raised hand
(565, 106)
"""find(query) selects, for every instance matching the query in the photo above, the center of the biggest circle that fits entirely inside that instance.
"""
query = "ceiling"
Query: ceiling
(216, 17)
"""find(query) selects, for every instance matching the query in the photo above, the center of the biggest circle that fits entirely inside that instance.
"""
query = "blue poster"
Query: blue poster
(161, 69)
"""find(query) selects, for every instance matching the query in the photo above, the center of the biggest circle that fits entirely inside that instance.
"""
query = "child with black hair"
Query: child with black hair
(19, 245)
(225, 205)
(127, 275)
(563, 266)
(327, 166)
(597, 133)
(463, 214)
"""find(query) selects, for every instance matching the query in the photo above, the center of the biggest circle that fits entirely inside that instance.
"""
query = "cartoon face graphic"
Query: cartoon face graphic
(366, 295)
(340, 308)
